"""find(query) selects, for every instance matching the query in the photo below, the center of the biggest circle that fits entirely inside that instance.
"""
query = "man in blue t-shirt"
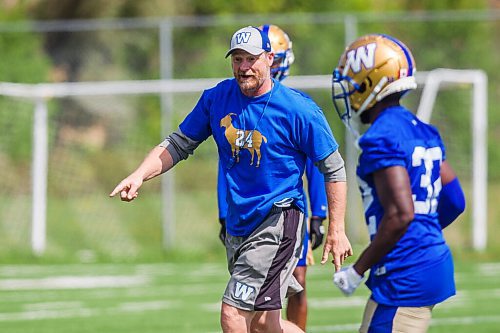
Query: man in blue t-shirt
(296, 310)
(264, 133)
(409, 191)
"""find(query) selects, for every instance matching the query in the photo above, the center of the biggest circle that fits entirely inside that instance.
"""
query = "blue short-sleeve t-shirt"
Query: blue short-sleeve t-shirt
(263, 143)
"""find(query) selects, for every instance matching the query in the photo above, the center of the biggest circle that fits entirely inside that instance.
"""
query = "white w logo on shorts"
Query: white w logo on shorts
(243, 37)
(242, 291)
(362, 55)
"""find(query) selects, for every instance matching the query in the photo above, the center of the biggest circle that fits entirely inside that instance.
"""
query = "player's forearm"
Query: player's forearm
(336, 242)
(392, 227)
(336, 193)
(156, 162)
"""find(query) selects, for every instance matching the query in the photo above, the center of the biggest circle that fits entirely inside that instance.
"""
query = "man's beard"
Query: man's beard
(250, 84)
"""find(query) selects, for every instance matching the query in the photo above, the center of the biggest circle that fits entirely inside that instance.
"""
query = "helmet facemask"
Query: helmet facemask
(343, 87)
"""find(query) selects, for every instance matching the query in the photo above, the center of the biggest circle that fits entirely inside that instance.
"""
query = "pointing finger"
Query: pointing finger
(117, 189)
(326, 251)
(337, 262)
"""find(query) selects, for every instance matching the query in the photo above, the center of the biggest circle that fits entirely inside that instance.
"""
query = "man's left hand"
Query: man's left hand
(339, 246)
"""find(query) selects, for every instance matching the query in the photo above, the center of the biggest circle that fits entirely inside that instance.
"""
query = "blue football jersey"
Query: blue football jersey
(263, 143)
(418, 271)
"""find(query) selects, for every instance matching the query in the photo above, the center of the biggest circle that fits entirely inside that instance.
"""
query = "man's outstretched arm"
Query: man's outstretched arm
(174, 148)
(155, 163)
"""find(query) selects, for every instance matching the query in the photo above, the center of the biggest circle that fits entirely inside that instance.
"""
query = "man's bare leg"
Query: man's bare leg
(296, 310)
(234, 320)
(271, 322)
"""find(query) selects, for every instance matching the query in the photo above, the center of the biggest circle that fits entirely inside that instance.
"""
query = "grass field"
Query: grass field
(174, 297)
(76, 288)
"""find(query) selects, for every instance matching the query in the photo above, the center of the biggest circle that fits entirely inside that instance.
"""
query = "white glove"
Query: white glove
(347, 279)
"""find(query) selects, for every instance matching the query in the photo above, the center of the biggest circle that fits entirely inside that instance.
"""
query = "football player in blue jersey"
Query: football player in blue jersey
(409, 191)
(264, 134)
(296, 310)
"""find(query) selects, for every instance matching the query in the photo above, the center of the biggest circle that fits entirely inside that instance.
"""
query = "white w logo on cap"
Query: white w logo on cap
(243, 37)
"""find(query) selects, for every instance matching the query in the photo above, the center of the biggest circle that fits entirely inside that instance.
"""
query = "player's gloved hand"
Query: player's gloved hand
(347, 279)
(317, 232)
(222, 232)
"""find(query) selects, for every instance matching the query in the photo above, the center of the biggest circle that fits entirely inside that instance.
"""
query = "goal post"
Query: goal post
(41, 94)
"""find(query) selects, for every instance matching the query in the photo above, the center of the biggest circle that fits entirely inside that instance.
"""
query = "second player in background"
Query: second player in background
(297, 304)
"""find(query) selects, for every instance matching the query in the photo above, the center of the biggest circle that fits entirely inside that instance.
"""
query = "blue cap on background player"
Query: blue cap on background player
(250, 39)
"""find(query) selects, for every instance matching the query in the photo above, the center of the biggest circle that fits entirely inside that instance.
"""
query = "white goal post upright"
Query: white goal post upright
(39, 174)
(39, 94)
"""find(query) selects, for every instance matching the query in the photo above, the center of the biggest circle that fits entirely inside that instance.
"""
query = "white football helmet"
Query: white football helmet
(281, 45)
(371, 68)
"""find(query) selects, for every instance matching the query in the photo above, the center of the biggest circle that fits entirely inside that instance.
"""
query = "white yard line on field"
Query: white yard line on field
(170, 291)
(490, 269)
(73, 282)
(52, 306)
(47, 311)
(155, 269)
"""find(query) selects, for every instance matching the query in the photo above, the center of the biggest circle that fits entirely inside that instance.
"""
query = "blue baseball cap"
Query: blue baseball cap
(251, 40)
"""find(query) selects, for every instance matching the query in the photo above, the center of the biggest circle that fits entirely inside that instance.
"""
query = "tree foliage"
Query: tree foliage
(134, 53)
